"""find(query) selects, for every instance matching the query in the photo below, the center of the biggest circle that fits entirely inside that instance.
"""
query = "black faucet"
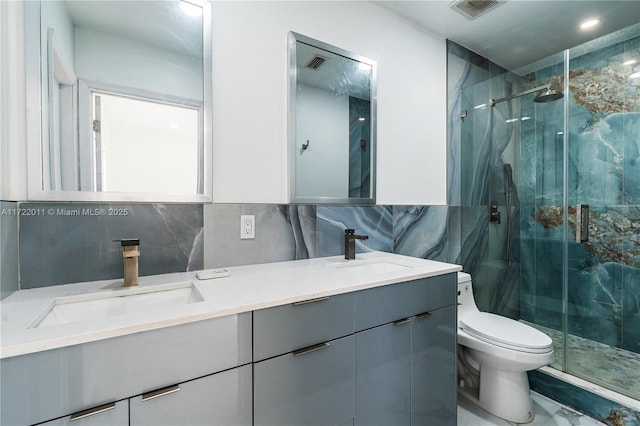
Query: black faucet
(350, 238)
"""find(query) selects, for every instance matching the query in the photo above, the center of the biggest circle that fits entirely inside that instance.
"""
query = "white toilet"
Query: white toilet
(494, 355)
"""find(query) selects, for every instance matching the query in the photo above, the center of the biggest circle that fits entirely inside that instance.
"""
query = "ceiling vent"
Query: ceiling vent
(316, 62)
(474, 8)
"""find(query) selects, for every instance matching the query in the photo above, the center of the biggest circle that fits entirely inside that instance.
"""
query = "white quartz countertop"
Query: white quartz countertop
(247, 288)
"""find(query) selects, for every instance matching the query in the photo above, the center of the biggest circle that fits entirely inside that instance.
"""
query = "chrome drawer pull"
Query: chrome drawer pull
(423, 315)
(309, 349)
(304, 302)
(160, 392)
(401, 321)
(92, 411)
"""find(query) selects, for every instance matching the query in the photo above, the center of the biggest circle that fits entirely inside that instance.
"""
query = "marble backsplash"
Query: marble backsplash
(71, 242)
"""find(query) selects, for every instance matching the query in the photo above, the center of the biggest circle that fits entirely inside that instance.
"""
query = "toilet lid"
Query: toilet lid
(505, 332)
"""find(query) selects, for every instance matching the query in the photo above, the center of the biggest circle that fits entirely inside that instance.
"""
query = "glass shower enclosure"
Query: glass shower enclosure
(565, 180)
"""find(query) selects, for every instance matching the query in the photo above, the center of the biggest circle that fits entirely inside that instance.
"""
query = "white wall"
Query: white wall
(13, 147)
(54, 14)
(250, 96)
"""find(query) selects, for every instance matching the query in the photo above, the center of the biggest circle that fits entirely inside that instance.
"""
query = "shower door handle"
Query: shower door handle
(582, 223)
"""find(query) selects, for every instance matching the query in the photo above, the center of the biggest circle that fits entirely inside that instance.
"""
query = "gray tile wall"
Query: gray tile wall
(282, 233)
(73, 242)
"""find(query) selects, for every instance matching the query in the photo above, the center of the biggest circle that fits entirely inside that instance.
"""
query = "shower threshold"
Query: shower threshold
(613, 368)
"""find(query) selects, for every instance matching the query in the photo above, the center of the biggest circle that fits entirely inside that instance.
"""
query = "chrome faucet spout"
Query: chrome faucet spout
(350, 238)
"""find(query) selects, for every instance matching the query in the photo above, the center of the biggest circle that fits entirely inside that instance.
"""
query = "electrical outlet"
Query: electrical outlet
(247, 226)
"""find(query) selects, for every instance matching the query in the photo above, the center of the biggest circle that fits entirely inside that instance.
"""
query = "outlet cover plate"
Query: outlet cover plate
(247, 226)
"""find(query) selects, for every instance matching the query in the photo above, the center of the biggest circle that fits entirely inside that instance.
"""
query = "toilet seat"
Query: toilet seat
(506, 332)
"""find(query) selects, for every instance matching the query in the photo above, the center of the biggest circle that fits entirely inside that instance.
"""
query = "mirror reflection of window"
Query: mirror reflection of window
(144, 146)
(123, 97)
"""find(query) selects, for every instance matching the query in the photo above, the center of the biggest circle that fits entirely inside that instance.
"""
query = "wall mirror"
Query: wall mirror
(119, 100)
(332, 124)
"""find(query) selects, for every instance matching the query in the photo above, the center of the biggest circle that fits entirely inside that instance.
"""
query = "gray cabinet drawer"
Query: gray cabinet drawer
(285, 328)
(50, 384)
(315, 388)
(113, 414)
(219, 399)
(382, 305)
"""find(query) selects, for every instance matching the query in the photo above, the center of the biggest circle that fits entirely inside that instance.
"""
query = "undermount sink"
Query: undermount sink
(105, 304)
(375, 266)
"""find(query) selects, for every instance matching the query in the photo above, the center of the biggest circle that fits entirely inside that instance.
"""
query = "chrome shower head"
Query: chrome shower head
(548, 95)
(545, 94)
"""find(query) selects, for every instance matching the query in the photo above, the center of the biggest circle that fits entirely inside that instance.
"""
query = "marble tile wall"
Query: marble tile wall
(481, 143)
(374, 221)
(465, 71)
(72, 242)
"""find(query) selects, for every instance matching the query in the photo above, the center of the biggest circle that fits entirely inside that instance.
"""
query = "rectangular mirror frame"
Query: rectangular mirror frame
(35, 191)
(293, 38)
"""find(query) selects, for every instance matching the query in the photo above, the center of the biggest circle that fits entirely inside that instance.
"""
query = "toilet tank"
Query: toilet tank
(463, 277)
(466, 302)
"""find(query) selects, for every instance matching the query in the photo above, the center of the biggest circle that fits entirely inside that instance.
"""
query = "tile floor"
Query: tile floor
(547, 413)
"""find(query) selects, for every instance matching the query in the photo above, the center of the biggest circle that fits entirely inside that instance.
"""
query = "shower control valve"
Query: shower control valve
(494, 214)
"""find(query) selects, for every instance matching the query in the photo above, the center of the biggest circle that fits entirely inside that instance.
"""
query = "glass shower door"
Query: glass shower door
(603, 170)
(542, 232)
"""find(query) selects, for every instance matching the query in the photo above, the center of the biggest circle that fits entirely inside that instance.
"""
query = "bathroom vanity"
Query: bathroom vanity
(319, 341)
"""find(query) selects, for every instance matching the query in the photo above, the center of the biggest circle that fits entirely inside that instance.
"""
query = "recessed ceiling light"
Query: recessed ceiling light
(589, 23)
(629, 62)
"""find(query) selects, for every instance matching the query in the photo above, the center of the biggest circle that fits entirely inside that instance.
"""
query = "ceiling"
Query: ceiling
(158, 23)
(339, 74)
(519, 32)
